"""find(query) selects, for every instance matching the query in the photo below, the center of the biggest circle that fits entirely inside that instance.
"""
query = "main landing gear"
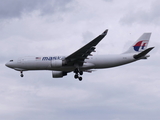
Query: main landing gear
(21, 74)
(77, 74)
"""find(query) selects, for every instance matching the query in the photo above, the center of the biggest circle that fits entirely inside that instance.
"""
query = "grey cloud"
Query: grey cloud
(87, 36)
(147, 16)
(55, 5)
(108, 0)
(15, 8)
(127, 92)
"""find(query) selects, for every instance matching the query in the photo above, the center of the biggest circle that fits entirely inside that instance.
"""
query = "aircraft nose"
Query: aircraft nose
(8, 64)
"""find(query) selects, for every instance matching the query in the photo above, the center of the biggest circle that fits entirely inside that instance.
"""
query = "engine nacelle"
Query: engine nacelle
(58, 74)
(56, 63)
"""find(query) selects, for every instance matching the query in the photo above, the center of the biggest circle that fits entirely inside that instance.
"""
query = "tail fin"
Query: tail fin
(141, 44)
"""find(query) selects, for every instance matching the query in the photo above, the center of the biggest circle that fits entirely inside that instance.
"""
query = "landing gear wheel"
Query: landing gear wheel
(76, 76)
(81, 72)
(22, 75)
(76, 71)
(80, 78)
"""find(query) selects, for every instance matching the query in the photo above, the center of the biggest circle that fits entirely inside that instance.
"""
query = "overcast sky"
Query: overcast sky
(59, 27)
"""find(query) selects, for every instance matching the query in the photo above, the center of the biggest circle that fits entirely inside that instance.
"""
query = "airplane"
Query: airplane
(82, 60)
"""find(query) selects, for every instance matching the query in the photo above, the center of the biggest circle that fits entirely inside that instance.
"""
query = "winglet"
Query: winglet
(105, 32)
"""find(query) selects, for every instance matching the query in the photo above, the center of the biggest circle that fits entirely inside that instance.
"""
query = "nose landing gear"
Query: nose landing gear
(21, 74)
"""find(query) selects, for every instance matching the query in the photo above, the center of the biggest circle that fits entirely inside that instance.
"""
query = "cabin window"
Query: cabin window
(11, 60)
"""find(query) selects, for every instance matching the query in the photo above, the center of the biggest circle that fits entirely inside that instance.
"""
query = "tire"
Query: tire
(76, 71)
(80, 78)
(81, 72)
(75, 76)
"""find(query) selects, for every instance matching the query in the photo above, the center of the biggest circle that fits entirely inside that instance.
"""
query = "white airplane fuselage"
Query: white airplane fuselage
(46, 63)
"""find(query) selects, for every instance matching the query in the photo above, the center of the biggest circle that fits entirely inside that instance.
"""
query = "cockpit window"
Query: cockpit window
(11, 60)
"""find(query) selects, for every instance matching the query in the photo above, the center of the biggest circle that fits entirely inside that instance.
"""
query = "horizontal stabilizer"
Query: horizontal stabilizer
(143, 53)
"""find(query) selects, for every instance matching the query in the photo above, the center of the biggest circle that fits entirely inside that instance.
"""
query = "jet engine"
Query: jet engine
(58, 74)
(56, 63)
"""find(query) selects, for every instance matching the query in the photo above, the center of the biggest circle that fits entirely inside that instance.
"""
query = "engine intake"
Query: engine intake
(58, 74)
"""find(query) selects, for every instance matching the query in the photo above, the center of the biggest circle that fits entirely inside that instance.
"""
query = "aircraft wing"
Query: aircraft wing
(78, 57)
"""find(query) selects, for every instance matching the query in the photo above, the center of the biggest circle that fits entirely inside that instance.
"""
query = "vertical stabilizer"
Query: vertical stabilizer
(141, 44)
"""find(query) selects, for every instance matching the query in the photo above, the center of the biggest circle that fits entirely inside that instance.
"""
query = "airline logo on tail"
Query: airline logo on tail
(140, 45)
